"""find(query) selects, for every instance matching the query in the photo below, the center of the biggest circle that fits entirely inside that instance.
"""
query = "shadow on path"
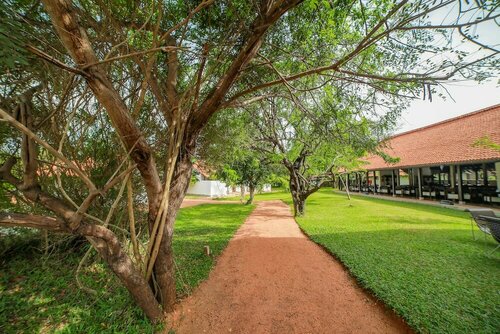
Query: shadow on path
(272, 279)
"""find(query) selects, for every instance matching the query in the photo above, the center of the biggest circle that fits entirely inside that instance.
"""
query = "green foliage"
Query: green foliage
(229, 145)
(39, 293)
(331, 131)
(248, 171)
(14, 239)
(486, 142)
(229, 175)
(341, 103)
(12, 52)
(420, 260)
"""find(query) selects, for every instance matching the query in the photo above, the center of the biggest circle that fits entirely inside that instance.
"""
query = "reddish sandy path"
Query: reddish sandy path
(272, 279)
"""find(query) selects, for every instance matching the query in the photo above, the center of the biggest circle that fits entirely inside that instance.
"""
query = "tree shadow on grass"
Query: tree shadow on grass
(447, 211)
(39, 294)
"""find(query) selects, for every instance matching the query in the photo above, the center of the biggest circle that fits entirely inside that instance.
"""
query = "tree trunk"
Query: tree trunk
(121, 264)
(301, 206)
(296, 188)
(242, 193)
(300, 189)
(164, 269)
(252, 194)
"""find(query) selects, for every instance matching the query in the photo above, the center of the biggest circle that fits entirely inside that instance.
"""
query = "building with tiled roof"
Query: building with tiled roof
(456, 159)
(449, 142)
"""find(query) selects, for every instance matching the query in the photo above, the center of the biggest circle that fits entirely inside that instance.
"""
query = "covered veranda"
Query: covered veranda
(472, 183)
(442, 161)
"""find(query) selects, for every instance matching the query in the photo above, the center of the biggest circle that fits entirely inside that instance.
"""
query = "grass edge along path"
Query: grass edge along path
(39, 294)
(420, 260)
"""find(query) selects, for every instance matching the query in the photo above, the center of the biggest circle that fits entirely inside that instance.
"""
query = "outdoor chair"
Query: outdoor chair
(487, 222)
(495, 227)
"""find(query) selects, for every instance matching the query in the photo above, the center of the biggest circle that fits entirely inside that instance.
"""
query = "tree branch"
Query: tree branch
(250, 48)
(75, 40)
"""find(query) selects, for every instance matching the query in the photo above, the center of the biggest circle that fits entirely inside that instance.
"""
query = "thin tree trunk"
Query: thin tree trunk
(242, 193)
(252, 194)
(346, 187)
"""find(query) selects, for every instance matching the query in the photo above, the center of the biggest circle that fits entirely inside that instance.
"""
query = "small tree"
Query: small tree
(248, 171)
(227, 144)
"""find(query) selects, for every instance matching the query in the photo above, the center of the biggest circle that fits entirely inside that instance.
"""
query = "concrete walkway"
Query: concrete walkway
(272, 279)
(460, 207)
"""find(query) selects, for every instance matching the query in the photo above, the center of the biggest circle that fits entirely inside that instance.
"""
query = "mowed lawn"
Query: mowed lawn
(420, 260)
(210, 225)
(39, 293)
(275, 194)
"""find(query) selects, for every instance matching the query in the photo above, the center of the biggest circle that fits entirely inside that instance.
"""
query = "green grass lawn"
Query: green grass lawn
(196, 197)
(276, 194)
(420, 260)
(39, 293)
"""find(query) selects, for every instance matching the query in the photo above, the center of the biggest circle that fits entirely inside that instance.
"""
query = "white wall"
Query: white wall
(405, 180)
(266, 188)
(208, 188)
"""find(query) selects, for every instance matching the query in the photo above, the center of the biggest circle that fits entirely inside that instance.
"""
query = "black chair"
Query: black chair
(494, 228)
(487, 222)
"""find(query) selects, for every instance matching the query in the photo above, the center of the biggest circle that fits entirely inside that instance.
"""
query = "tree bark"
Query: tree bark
(109, 247)
(297, 191)
(164, 269)
(252, 194)
(242, 193)
(75, 40)
(300, 188)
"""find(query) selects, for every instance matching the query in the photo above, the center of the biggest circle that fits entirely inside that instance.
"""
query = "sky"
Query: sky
(467, 97)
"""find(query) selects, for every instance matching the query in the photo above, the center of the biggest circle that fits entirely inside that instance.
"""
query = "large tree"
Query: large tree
(153, 74)
(323, 133)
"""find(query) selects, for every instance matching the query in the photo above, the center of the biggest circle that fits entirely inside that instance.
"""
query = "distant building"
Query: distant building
(457, 159)
(203, 186)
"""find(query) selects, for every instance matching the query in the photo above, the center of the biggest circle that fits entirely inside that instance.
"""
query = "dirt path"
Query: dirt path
(272, 279)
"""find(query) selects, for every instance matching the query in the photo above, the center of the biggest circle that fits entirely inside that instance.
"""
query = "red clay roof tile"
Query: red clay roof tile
(447, 142)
